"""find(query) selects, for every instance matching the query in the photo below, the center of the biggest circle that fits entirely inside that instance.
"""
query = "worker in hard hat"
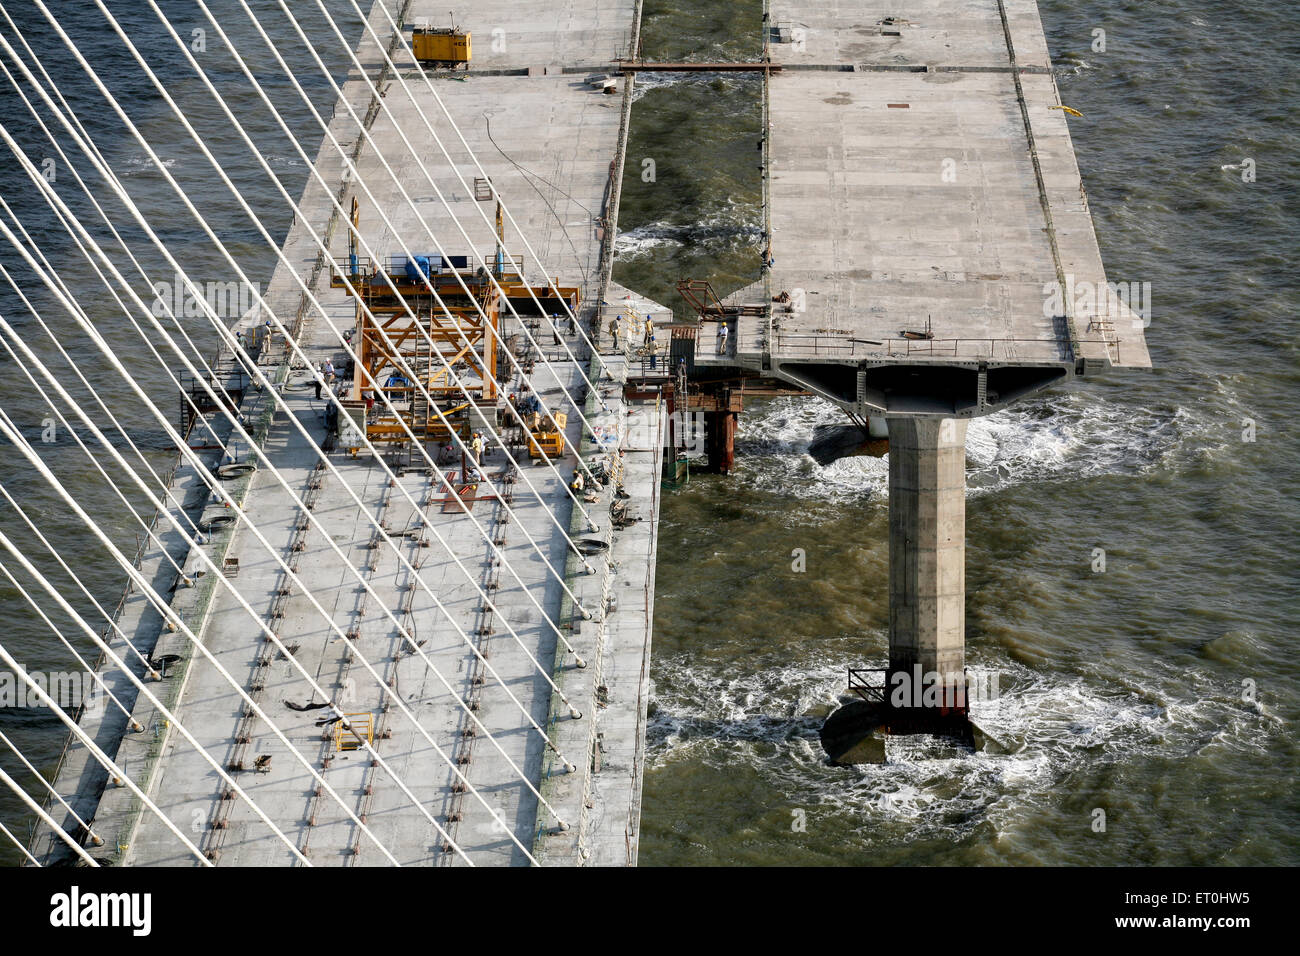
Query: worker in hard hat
(577, 484)
(614, 328)
(477, 444)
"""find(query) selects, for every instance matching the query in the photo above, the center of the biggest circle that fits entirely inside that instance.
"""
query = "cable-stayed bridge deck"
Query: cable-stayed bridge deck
(372, 544)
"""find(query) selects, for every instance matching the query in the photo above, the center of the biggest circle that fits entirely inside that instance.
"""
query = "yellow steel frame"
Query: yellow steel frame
(387, 341)
(363, 725)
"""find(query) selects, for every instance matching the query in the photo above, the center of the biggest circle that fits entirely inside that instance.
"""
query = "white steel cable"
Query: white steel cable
(180, 625)
(95, 838)
(136, 725)
(162, 609)
(420, 162)
(347, 280)
(16, 437)
(379, 154)
(76, 368)
(132, 723)
(40, 812)
(25, 852)
(433, 404)
(89, 193)
(487, 600)
(488, 665)
(568, 647)
(116, 772)
(168, 616)
(7, 429)
(470, 578)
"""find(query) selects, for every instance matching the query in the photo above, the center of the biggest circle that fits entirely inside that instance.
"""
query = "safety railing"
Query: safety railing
(817, 344)
(834, 346)
(862, 682)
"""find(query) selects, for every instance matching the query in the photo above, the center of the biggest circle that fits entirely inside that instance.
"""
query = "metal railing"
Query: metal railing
(972, 347)
(866, 689)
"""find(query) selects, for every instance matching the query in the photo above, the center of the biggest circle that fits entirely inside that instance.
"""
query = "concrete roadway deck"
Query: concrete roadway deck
(568, 137)
(903, 186)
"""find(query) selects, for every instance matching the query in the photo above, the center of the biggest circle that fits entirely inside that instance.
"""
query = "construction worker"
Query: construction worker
(653, 348)
(577, 484)
(477, 445)
(614, 325)
(649, 330)
(722, 338)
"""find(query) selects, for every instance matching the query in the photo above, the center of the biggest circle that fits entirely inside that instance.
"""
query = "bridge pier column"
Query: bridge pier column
(720, 423)
(927, 566)
(720, 428)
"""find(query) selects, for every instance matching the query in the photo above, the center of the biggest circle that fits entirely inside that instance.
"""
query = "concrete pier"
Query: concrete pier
(927, 552)
(929, 258)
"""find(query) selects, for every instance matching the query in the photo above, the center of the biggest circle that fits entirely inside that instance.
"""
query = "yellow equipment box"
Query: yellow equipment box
(441, 45)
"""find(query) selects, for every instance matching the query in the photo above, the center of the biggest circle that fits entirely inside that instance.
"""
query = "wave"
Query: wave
(137, 165)
(722, 229)
(768, 721)
(649, 81)
(1062, 436)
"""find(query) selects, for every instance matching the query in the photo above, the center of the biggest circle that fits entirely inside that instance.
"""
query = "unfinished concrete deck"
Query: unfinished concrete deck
(920, 168)
(569, 137)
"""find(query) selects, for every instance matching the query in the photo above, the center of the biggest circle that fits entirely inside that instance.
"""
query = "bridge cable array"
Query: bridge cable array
(158, 492)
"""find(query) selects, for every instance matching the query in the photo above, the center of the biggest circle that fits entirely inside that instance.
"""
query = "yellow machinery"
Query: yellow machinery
(462, 332)
(441, 46)
(543, 437)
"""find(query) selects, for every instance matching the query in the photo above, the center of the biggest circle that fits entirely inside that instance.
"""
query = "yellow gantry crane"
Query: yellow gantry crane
(459, 329)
